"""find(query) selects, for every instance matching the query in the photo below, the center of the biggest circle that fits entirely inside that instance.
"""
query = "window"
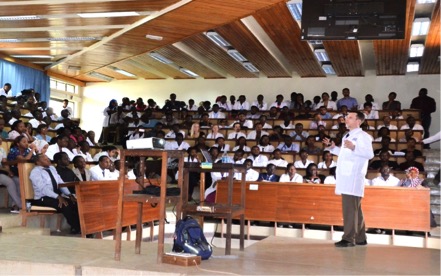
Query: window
(63, 86)
(57, 106)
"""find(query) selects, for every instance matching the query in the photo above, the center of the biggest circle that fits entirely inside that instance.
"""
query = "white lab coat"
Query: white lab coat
(352, 165)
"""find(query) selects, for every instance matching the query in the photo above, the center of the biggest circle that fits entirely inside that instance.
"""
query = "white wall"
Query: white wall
(97, 96)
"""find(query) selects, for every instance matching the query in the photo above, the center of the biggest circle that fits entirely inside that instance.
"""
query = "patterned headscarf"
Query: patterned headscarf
(411, 182)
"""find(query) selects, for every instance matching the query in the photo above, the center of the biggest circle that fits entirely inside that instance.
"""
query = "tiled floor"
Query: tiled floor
(30, 254)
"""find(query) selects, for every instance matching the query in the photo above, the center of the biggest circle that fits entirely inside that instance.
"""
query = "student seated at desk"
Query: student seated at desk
(45, 181)
(269, 176)
(385, 178)
(312, 175)
(277, 159)
(291, 175)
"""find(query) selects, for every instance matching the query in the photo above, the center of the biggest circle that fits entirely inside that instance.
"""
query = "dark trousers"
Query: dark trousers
(353, 221)
(426, 120)
(70, 212)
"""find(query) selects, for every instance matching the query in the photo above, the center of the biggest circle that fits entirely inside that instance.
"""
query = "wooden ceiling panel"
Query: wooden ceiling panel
(58, 34)
(81, 7)
(392, 55)
(247, 44)
(183, 60)
(430, 63)
(286, 35)
(161, 67)
(111, 73)
(139, 71)
(345, 57)
(198, 15)
(62, 22)
(205, 47)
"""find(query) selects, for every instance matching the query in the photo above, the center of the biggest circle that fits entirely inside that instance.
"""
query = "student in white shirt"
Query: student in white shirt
(236, 134)
(385, 178)
(101, 171)
(261, 105)
(241, 104)
(259, 160)
(277, 159)
(304, 161)
(214, 134)
(216, 113)
(327, 162)
(291, 175)
(279, 103)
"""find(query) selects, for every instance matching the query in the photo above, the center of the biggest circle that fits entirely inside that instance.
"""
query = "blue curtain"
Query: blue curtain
(22, 77)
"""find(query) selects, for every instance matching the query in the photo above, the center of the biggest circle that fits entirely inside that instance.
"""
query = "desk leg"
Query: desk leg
(228, 237)
(242, 232)
(139, 229)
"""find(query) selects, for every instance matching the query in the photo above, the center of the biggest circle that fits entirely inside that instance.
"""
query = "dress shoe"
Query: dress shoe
(344, 243)
(361, 243)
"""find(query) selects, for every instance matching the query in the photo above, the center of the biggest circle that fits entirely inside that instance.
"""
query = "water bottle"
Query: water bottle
(225, 158)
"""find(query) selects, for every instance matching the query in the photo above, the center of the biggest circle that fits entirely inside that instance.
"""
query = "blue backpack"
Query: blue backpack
(189, 238)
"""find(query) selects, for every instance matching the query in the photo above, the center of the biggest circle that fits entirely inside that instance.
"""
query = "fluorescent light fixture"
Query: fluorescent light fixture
(31, 56)
(329, 70)
(107, 14)
(416, 50)
(188, 72)
(74, 68)
(315, 42)
(420, 26)
(160, 58)
(321, 55)
(9, 40)
(250, 67)
(42, 62)
(216, 38)
(295, 8)
(123, 72)
(19, 17)
(425, 1)
(100, 76)
(74, 38)
(412, 67)
(154, 37)
(236, 55)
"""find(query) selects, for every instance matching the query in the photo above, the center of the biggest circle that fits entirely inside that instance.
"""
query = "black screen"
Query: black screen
(353, 19)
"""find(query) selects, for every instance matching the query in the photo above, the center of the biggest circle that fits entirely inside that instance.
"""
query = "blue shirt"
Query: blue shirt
(349, 102)
(42, 183)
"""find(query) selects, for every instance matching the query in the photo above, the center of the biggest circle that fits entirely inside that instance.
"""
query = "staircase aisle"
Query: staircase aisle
(432, 166)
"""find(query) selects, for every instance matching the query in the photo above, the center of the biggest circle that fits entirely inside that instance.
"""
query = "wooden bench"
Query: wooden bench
(393, 208)
(27, 194)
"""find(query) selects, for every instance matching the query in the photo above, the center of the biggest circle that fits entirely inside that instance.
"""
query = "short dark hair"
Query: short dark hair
(102, 157)
(58, 156)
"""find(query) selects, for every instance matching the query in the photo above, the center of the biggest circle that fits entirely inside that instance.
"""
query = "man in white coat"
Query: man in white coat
(352, 164)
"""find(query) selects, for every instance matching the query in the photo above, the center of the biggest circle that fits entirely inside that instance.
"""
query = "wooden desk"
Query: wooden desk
(162, 200)
(227, 210)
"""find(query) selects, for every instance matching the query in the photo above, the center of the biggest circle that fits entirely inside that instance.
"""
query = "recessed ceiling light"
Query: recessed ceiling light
(250, 67)
(154, 37)
(421, 26)
(236, 55)
(412, 67)
(107, 14)
(160, 58)
(123, 72)
(9, 40)
(74, 38)
(416, 50)
(188, 72)
(31, 56)
(321, 55)
(100, 76)
(329, 70)
(217, 38)
(19, 17)
(295, 8)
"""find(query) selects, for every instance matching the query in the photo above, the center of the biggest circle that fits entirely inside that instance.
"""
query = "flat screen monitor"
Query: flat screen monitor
(353, 19)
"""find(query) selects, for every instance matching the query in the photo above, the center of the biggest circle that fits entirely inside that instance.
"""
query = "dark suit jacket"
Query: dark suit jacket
(271, 178)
